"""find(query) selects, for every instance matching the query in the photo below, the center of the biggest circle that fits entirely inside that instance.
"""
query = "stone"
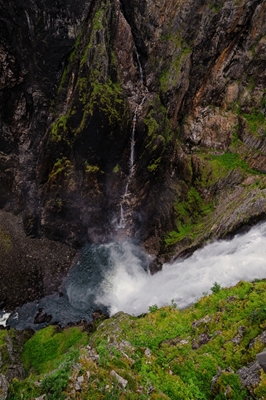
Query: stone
(64, 158)
(123, 382)
(261, 358)
(250, 375)
(80, 379)
(3, 387)
(42, 317)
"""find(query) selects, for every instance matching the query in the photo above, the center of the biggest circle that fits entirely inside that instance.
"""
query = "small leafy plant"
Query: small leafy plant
(153, 308)
(216, 288)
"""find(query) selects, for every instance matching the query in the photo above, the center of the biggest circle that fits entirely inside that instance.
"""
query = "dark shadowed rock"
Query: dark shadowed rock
(42, 317)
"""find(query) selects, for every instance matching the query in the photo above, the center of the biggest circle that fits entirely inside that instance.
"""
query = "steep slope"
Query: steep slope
(207, 351)
(188, 78)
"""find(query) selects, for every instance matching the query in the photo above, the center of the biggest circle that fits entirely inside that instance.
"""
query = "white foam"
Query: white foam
(3, 318)
(127, 287)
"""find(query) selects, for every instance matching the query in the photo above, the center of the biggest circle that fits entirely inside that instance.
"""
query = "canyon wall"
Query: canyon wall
(73, 75)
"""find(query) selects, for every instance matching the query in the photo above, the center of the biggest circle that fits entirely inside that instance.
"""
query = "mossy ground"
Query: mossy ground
(161, 354)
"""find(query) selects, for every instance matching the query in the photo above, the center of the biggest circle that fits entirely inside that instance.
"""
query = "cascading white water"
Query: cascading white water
(115, 277)
(128, 288)
(132, 147)
(121, 224)
(140, 68)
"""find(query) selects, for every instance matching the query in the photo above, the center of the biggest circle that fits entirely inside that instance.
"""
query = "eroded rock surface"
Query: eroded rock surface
(73, 76)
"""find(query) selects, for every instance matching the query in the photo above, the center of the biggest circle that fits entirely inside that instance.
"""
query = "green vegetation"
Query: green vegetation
(189, 354)
(153, 167)
(216, 288)
(90, 83)
(170, 76)
(47, 349)
(107, 97)
(189, 216)
(255, 121)
(116, 169)
(157, 124)
(230, 161)
(48, 357)
(91, 168)
(62, 167)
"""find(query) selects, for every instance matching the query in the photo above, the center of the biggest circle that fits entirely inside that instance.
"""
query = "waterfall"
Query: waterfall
(115, 277)
(132, 146)
(140, 67)
(121, 223)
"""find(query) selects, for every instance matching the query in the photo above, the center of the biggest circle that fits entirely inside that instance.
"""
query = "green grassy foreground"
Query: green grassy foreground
(195, 353)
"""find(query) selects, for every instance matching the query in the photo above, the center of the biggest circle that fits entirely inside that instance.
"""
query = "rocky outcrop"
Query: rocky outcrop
(30, 268)
(10, 363)
(72, 78)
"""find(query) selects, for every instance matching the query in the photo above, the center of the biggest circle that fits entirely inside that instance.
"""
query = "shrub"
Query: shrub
(216, 288)
(153, 308)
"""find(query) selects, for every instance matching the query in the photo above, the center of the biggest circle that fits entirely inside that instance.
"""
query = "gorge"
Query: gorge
(132, 177)
(181, 82)
(114, 277)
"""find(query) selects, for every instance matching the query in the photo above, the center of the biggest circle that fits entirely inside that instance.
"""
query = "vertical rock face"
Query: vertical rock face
(35, 40)
(73, 75)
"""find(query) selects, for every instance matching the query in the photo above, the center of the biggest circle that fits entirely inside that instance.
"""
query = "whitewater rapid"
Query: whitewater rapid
(115, 277)
(127, 287)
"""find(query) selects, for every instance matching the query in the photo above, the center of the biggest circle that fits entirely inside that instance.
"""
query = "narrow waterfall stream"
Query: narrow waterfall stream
(115, 277)
(125, 201)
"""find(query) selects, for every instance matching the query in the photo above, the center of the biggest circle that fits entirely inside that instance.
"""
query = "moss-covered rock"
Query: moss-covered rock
(202, 352)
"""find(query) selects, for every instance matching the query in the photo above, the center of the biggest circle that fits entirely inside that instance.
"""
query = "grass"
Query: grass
(230, 161)
(159, 354)
(189, 217)
(255, 121)
(47, 349)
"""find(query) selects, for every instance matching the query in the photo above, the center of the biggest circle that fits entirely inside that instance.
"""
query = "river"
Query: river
(115, 277)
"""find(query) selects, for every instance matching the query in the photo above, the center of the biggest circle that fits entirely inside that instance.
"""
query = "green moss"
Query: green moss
(47, 349)
(172, 367)
(255, 121)
(107, 97)
(157, 123)
(62, 167)
(116, 169)
(189, 217)
(171, 74)
(91, 168)
(155, 165)
(230, 161)
(58, 128)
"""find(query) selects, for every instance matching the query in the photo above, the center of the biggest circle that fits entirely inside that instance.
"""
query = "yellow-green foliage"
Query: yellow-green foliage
(158, 354)
(190, 215)
(91, 168)
(157, 122)
(47, 349)
(105, 96)
(62, 167)
(256, 120)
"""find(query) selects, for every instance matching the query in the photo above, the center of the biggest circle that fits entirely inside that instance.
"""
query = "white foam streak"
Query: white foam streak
(127, 287)
(3, 318)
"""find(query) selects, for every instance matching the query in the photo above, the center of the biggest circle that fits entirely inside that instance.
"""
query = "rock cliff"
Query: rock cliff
(74, 76)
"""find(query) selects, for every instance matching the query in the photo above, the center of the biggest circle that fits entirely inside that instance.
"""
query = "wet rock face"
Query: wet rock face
(72, 75)
(30, 268)
(35, 39)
